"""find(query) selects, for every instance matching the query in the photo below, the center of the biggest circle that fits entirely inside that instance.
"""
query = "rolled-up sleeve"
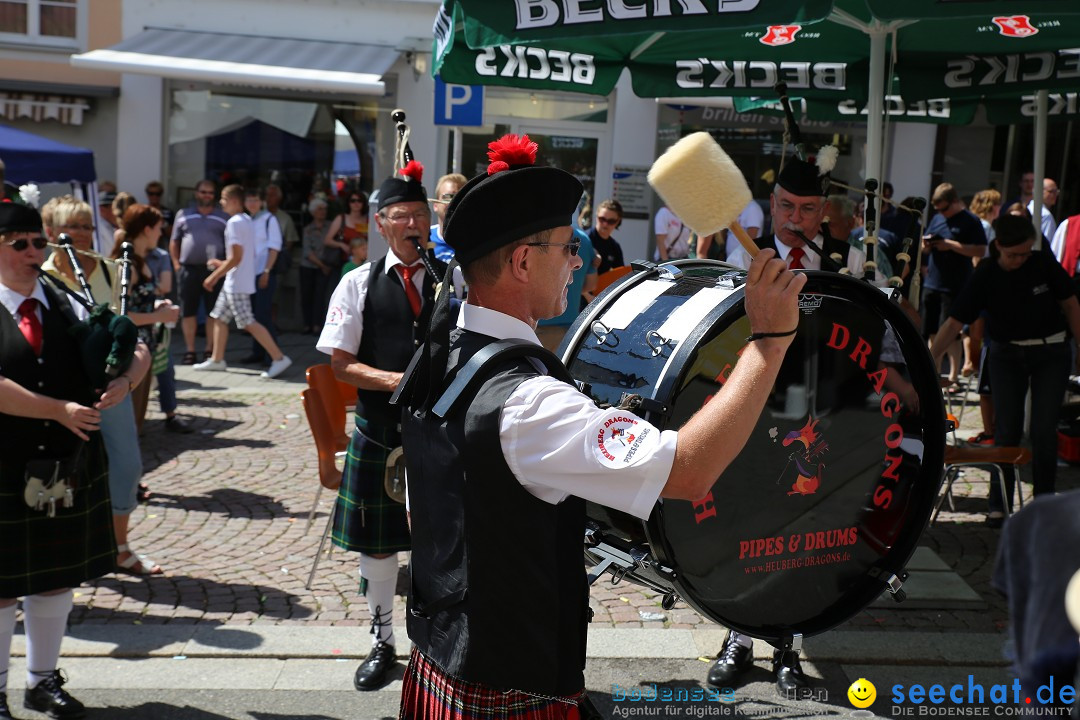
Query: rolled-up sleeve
(344, 324)
(558, 443)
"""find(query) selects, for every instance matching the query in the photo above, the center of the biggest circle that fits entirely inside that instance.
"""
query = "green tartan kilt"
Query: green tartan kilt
(42, 553)
(366, 519)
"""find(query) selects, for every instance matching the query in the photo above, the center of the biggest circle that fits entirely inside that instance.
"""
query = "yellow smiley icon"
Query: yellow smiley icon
(862, 693)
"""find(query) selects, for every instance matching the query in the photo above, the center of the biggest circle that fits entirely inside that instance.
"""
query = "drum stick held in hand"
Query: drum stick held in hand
(703, 187)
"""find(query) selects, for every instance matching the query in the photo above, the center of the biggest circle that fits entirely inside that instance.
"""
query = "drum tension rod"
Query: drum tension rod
(894, 582)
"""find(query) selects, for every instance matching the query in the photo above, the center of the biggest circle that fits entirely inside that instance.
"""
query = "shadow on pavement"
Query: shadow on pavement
(231, 502)
(155, 710)
(178, 590)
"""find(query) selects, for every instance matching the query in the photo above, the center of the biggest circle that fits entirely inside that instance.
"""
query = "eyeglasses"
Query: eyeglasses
(573, 247)
(21, 244)
(84, 228)
(607, 220)
(447, 197)
(422, 218)
(356, 200)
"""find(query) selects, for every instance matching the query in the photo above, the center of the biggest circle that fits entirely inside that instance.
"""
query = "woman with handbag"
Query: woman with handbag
(343, 230)
(55, 519)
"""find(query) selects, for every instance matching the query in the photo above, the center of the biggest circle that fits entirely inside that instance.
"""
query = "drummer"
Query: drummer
(496, 490)
(798, 205)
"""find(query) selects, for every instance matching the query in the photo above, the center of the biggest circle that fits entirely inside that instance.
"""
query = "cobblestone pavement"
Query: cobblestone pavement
(228, 519)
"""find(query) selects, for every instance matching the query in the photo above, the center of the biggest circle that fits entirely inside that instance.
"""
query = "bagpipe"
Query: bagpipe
(106, 340)
(403, 155)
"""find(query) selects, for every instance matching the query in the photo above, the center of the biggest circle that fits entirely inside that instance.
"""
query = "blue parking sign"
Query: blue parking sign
(458, 104)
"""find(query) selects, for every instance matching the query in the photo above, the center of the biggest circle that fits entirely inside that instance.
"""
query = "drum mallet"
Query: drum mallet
(703, 187)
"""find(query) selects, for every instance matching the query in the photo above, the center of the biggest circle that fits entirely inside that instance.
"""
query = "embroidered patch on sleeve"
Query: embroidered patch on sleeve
(618, 439)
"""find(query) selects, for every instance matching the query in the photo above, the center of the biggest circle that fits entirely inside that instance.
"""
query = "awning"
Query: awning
(285, 63)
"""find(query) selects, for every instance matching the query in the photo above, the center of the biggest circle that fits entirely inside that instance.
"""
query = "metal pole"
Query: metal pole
(459, 136)
(875, 107)
(1041, 103)
(1010, 148)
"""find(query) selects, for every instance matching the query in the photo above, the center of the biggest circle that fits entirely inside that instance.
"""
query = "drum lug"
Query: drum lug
(656, 341)
(642, 265)
(669, 600)
(731, 280)
(601, 331)
(896, 588)
(669, 272)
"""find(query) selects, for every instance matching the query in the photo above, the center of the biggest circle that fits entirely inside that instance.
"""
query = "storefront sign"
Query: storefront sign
(630, 187)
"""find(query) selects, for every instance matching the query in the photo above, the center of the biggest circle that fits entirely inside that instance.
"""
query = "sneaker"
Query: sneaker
(49, 697)
(211, 364)
(277, 367)
(178, 424)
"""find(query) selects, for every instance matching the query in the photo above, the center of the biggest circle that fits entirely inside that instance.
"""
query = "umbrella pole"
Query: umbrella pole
(875, 106)
(1041, 103)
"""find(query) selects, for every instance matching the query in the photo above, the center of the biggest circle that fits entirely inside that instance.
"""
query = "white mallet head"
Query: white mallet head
(700, 184)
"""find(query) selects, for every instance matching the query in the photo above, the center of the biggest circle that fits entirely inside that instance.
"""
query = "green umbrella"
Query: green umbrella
(830, 51)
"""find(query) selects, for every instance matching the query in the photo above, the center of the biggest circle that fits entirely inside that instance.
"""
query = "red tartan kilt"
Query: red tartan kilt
(427, 693)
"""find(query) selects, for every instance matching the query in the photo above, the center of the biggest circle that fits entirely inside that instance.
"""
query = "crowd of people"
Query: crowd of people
(521, 271)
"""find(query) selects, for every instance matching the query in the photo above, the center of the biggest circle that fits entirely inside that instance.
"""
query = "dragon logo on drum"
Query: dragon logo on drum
(806, 457)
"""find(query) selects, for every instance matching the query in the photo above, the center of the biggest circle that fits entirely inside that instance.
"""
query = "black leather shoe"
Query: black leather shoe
(5, 711)
(790, 679)
(733, 660)
(372, 672)
(49, 697)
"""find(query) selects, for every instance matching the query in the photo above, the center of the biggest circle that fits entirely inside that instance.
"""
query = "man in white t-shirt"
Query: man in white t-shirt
(1050, 197)
(752, 220)
(234, 302)
(672, 236)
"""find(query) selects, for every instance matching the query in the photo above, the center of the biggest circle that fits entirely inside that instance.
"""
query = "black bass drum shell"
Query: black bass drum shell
(836, 483)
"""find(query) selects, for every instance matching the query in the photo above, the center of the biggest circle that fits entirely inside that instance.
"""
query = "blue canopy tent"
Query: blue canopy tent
(31, 158)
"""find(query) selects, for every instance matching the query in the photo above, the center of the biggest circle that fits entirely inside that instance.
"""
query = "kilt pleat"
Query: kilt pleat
(427, 693)
(42, 553)
(367, 520)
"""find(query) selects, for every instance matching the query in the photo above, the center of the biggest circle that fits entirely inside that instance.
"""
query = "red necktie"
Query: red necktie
(30, 325)
(410, 290)
(796, 255)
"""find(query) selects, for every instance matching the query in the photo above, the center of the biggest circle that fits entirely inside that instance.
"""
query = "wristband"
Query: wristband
(759, 336)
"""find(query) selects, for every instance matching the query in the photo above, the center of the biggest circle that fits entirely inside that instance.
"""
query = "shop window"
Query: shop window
(41, 22)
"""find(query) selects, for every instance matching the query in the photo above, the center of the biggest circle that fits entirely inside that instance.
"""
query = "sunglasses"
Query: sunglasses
(573, 247)
(607, 221)
(21, 244)
(153, 194)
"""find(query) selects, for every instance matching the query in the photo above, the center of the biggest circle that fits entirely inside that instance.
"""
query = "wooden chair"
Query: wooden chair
(1002, 459)
(327, 438)
(606, 278)
(335, 393)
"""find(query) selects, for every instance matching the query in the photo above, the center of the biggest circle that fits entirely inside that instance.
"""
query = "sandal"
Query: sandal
(189, 358)
(143, 494)
(138, 565)
(954, 389)
(983, 438)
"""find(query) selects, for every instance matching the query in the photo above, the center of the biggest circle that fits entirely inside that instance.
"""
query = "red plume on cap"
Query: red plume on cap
(413, 170)
(511, 150)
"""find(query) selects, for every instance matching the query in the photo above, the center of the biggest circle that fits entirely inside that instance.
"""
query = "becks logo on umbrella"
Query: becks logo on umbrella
(780, 34)
(1015, 26)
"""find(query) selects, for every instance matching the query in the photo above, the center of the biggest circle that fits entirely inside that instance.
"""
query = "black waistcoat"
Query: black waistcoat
(58, 373)
(499, 594)
(829, 245)
(390, 337)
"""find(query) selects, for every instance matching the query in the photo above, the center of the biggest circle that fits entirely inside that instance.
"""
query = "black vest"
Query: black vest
(58, 373)
(829, 245)
(499, 594)
(390, 337)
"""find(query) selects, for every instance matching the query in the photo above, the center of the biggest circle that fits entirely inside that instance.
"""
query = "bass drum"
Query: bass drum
(825, 504)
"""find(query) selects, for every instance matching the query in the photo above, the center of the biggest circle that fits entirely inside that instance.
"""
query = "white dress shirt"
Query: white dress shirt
(558, 443)
(811, 260)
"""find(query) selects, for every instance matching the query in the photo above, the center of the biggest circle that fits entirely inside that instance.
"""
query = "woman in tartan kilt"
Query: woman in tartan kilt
(376, 320)
(54, 540)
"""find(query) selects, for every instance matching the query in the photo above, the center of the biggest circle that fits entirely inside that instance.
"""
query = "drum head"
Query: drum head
(837, 480)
